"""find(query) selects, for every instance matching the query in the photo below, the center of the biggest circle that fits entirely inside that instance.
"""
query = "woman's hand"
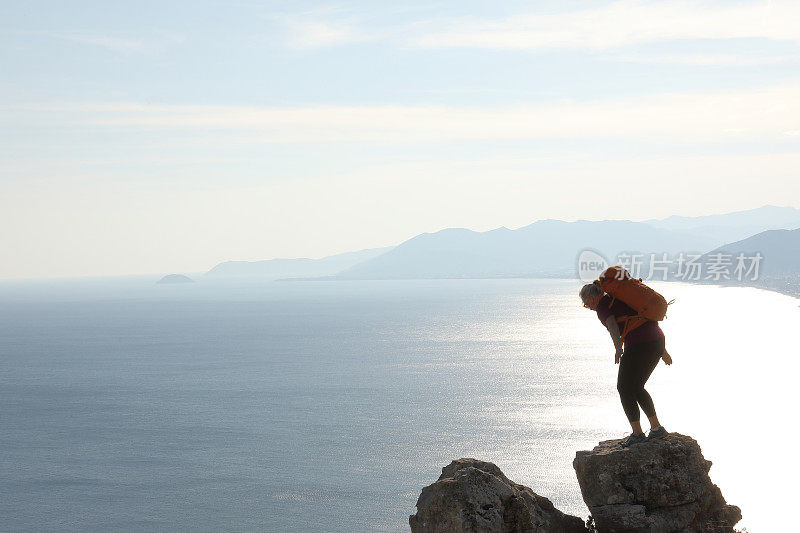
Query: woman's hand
(613, 329)
(667, 358)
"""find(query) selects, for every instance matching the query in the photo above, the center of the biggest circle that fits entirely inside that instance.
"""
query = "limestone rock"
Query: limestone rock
(656, 486)
(475, 496)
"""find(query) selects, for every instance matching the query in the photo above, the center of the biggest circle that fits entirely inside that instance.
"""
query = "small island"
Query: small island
(175, 278)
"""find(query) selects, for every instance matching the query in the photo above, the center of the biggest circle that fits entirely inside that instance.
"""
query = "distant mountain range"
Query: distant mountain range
(546, 248)
(734, 226)
(779, 268)
(283, 268)
(551, 247)
(779, 247)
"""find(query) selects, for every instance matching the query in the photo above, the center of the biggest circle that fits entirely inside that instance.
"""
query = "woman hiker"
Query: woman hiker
(644, 346)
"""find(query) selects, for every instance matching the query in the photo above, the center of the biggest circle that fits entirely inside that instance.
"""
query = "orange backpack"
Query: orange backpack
(648, 304)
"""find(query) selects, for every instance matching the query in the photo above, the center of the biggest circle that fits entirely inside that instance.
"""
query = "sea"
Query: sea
(326, 406)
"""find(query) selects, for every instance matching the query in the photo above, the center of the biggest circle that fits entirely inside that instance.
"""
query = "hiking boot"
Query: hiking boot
(632, 439)
(657, 433)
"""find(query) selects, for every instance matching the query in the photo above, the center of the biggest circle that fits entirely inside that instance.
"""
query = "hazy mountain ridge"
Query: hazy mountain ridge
(545, 248)
(549, 248)
(780, 248)
(780, 267)
(281, 268)
(767, 215)
(730, 227)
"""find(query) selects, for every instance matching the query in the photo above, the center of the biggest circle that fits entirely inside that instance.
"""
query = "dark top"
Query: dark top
(646, 332)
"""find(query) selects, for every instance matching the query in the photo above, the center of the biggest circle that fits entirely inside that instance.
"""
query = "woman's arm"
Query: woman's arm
(666, 357)
(613, 329)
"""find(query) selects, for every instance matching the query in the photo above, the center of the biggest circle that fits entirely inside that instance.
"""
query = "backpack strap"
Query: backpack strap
(594, 302)
(630, 323)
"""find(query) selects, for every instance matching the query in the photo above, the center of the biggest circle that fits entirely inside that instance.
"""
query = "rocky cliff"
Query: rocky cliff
(476, 497)
(656, 486)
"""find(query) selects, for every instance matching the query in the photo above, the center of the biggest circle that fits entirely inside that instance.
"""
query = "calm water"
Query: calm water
(327, 406)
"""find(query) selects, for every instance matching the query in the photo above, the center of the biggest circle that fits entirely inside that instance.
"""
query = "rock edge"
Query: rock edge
(475, 496)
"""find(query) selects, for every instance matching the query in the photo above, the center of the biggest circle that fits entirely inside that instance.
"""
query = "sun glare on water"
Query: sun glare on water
(733, 387)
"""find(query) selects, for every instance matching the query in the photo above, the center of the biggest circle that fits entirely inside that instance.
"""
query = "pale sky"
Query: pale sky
(151, 137)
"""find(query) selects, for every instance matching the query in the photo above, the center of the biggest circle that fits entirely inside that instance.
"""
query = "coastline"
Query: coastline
(787, 285)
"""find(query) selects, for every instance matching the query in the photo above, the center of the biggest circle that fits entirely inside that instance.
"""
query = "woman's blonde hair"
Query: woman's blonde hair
(590, 291)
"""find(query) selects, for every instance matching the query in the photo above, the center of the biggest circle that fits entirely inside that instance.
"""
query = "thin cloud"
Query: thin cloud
(320, 28)
(614, 26)
(622, 23)
(716, 116)
(733, 60)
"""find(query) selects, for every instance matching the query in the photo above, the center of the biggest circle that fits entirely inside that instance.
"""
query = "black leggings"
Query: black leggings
(637, 363)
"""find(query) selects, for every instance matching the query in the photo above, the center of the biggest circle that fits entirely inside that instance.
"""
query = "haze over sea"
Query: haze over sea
(327, 406)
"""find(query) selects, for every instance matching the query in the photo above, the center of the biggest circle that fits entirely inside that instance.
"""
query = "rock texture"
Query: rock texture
(476, 497)
(655, 486)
